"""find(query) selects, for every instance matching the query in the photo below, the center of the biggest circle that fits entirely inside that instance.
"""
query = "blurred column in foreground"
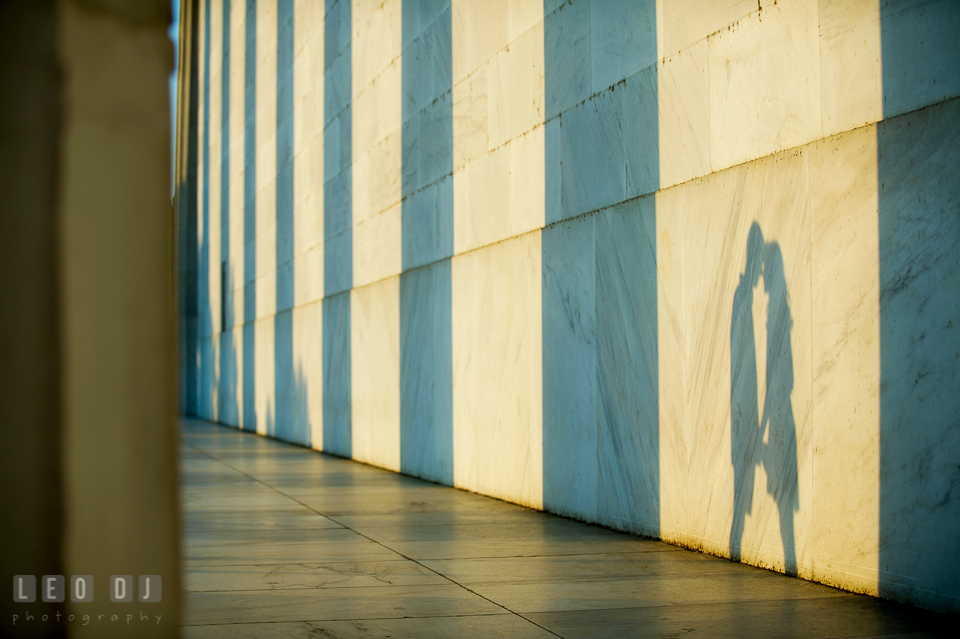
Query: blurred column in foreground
(87, 392)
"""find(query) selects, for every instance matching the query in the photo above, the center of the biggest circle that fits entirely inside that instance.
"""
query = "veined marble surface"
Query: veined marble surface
(497, 374)
(426, 373)
(500, 195)
(308, 373)
(765, 83)
(426, 342)
(850, 64)
(498, 116)
(628, 492)
(376, 112)
(264, 375)
(766, 490)
(337, 438)
(683, 115)
(569, 297)
(684, 22)
(919, 235)
(846, 359)
(375, 373)
(920, 49)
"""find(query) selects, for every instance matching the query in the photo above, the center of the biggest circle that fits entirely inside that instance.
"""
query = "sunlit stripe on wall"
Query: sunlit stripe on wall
(308, 241)
(228, 406)
(375, 297)
(498, 152)
(205, 379)
(212, 328)
(232, 350)
(249, 415)
(737, 337)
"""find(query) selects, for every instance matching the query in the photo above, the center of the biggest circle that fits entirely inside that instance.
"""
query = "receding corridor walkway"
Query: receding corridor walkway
(280, 541)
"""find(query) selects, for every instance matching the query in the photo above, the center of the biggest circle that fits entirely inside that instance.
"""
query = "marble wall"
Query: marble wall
(685, 269)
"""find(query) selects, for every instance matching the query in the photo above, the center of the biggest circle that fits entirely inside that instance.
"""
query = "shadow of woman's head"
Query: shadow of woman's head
(755, 254)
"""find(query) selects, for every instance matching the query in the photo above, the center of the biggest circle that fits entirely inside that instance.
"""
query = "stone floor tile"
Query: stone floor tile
(330, 604)
(591, 567)
(653, 591)
(302, 576)
(282, 541)
(285, 553)
(255, 519)
(422, 550)
(464, 627)
(843, 616)
(227, 538)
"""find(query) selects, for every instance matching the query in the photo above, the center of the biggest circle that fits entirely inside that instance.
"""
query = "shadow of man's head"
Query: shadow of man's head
(774, 282)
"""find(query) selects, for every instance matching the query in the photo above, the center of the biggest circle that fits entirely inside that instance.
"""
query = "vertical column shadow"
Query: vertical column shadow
(249, 420)
(628, 415)
(189, 278)
(918, 156)
(289, 423)
(228, 410)
(205, 319)
(426, 338)
(338, 230)
(600, 352)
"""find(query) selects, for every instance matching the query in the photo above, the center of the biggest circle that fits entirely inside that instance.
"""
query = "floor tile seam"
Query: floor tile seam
(315, 588)
(246, 623)
(594, 536)
(221, 530)
(319, 544)
(307, 564)
(200, 572)
(460, 585)
(386, 547)
(585, 580)
(579, 554)
(212, 458)
(213, 565)
(248, 475)
(673, 576)
(636, 552)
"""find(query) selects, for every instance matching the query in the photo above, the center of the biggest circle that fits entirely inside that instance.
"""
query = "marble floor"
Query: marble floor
(281, 541)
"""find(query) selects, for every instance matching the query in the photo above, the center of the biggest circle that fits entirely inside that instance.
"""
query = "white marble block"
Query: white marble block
(497, 371)
(846, 359)
(375, 373)
(376, 113)
(747, 340)
(765, 83)
(498, 116)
